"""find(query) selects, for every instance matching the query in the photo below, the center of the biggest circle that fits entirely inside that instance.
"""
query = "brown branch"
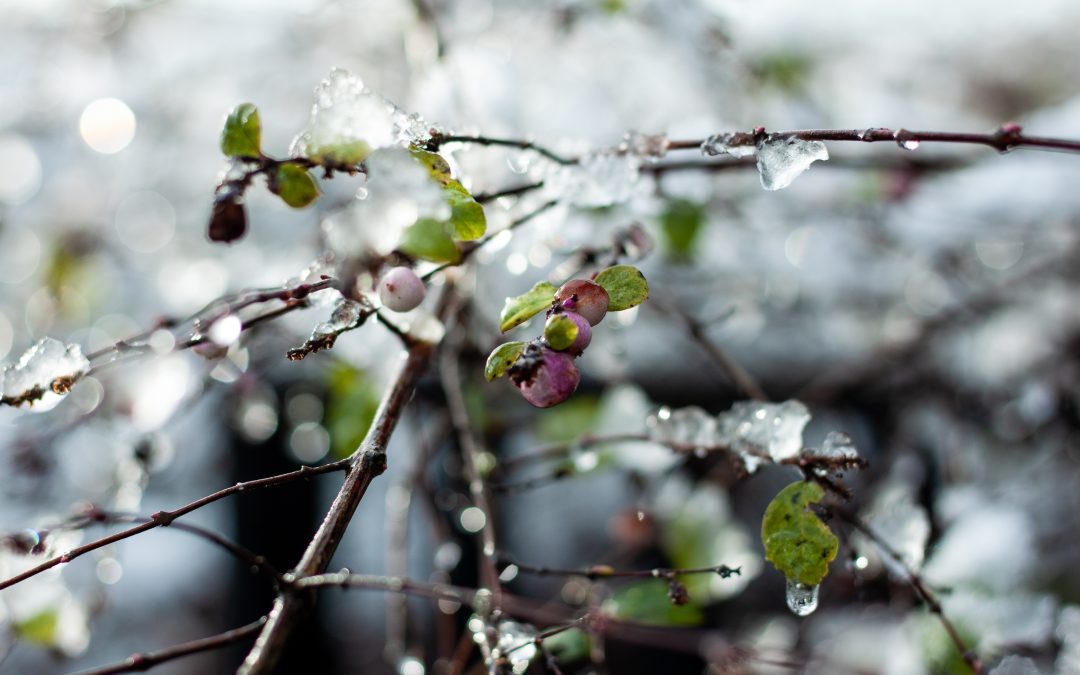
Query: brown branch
(147, 660)
(595, 572)
(367, 462)
(165, 518)
(439, 140)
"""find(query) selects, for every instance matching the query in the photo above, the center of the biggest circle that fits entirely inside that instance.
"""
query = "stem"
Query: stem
(365, 464)
(442, 139)
(147, 660)
(164, 518)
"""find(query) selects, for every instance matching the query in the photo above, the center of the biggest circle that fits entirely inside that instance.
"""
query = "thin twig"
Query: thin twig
(439, 140)
(147, 660)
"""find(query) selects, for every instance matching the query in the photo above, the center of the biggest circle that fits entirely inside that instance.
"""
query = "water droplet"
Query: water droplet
(906, 140)
(802, 600)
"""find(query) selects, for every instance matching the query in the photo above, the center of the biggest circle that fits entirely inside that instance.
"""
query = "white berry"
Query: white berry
(400, 290)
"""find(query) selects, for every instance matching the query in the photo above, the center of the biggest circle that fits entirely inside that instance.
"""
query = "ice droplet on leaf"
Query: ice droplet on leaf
(50, 367)
(780, 159)
(802, 599)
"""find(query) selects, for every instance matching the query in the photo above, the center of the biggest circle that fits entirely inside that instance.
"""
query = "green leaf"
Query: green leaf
(501, 358)
(467, 219)
(680, 224)
(570, 420)
(518, 310)
(796, 541)
(294, 185)
(569, 646)
(427, 239)
(560, 332)
(350, 407)
(647, 602)
(625, 285)
(39, 629)
(345, 153)
(435, 164)
(242, 134)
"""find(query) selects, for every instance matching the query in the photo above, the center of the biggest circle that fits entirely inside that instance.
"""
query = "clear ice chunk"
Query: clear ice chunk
(753, 428)
(780, 159)
(686, 426)
(598, 179)
(728, 144)
(802, 599)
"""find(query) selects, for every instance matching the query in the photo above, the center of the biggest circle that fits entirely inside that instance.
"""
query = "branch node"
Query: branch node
(163, 518)
(373, 461)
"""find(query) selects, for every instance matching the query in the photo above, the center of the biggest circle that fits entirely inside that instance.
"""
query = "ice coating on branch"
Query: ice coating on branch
(802, 600)
(516, 645)
(601, 178)
(649, 147)
(753, 427)
(689, 426)
(346, 314)
(727, 144)
(348, 121)
(399, 192)
(49, 366)
(780, 159)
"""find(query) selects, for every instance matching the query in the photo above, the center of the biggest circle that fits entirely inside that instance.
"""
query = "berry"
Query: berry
(556, 334)
(546, 378)
(401, 290)
(583, 297)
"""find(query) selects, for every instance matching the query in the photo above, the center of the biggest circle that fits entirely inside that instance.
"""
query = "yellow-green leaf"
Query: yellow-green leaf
(647, 602)
(435, 164)
(428, 239)
(796, 541)
(242, 134)
(625, 285)
(39, 629)
(501, 358)
(294, 185)
(520, 309)
(467, 219)
(351, 403)
(680, 223)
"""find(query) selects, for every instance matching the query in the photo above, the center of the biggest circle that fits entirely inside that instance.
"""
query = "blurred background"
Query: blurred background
(922, 302)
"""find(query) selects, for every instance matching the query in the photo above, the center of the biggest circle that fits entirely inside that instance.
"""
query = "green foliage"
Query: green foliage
(242, 134)
(501, 358)
(351, 404)
(647, 602)
(796, 541)
(346, 153)
(467, 219)
(786, 71)
(625, 285)
(435, 164)
(39, 629)
(294, 185)
(570, 420)
(520, 309)
(560, 331)
(428, 239)
(569, 646)
(680, 223)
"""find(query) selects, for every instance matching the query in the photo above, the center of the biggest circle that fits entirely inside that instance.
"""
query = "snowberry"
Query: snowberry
(545, 377)
(584, 297)
(556, 335)
(401, 290)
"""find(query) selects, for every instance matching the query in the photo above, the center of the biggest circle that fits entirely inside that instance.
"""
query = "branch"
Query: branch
(165, 518)
(147, 660)
(367, 462)
(607, 572)
(439, 140)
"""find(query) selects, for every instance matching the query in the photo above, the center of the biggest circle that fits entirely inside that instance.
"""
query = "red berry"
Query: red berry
(547, 378)
(584, 297)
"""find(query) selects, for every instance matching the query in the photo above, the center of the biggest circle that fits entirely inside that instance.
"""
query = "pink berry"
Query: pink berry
(584, 297)
(545, 377)
(401, 290)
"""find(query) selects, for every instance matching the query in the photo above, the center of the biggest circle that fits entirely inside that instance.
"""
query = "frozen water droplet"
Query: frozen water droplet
(838, 444)
(517, 644)
(649, 147)
(346, 313)
(780, 159)
(906, 140)
(802, 599)
(49, 367)
(737, 145)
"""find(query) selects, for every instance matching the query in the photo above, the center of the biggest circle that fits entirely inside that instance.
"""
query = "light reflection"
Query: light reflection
(145, 221)
(107, 125)
(20, 170)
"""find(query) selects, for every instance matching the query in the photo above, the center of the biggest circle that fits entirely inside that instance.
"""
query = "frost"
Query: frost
(49, 367)
(780, 159)
(599, 179)
(802, 599)
(727, 144)
(516, 645)
(399, 191)
(684, 426)
(1068, 632)
(838, 444)
(348, 121)
(649, 147)
(902, 524)
(752, 428)
(1016, 665)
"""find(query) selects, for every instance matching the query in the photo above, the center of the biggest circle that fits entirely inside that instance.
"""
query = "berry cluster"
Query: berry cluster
(545, 372)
